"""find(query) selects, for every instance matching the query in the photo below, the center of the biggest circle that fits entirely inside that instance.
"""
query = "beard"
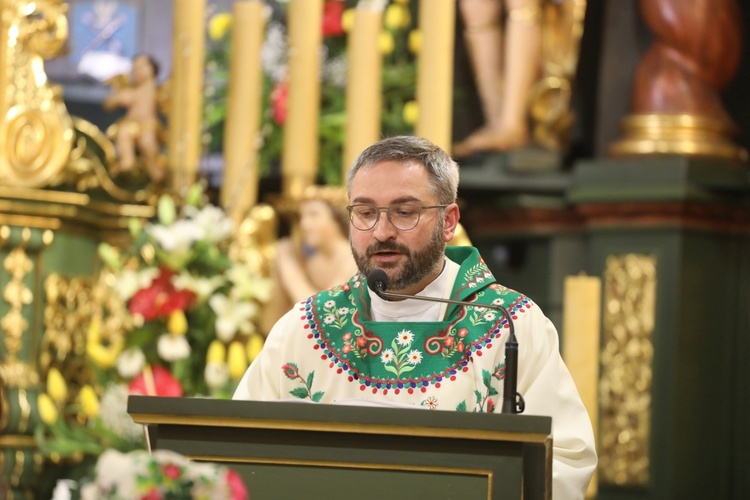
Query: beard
(419, 264)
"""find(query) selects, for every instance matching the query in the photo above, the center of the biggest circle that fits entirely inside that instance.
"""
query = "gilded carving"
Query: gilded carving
(70, 306)
(627, 369)
(14, 324)
(36, 132)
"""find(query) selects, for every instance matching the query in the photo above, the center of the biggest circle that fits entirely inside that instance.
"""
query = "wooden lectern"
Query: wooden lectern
(297, 450)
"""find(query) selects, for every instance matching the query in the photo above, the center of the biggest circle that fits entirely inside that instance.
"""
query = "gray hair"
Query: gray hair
(441, 168)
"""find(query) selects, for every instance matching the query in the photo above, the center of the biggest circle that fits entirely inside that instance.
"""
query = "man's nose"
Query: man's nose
(384, 228)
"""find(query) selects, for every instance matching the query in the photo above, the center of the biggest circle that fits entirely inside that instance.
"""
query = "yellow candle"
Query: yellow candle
(239, 190)
(435, 71)
(363, 91)
(581, 342)
(186, 92)
(299, 161)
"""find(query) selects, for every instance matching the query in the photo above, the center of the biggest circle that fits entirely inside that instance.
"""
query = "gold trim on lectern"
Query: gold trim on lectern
(397, 430)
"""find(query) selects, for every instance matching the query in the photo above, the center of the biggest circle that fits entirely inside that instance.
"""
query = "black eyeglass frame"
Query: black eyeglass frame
(350, 209)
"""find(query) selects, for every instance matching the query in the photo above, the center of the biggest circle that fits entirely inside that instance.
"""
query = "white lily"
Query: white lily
(130, 363)
(173, 347)
(216, 225)
(232, 315)
(248, 285)
(199, 285)
(128, 281)
(177, 237)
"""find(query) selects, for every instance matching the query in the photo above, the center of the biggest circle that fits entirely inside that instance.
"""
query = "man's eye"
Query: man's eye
(366, 213)
(405, 212)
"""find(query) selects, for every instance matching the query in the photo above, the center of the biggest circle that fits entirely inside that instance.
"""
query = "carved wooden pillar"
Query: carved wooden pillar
(676, 97)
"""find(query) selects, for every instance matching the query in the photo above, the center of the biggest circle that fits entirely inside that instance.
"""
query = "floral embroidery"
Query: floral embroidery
(431, 403)
(380, 357)
(402, 358)
(484, 402)
(292, 373)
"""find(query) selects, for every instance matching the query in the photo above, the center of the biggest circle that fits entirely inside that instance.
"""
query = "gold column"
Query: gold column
(581, 332)
(435, 71)
(364, 83)
(186, 91)
(299, 163)
(239, 191)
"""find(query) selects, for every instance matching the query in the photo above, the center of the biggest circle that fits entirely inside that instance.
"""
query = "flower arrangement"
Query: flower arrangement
(398, 43)
(193, 308)
(174, 316)
(163, 474)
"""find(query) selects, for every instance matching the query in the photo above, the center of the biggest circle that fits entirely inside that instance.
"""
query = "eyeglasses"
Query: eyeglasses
(403, 216)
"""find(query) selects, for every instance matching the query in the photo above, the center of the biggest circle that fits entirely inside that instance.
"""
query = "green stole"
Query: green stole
(411, 355)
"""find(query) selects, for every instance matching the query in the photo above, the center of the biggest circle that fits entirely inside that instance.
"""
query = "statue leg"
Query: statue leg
(521, 60)
(125, 148)
(484, 43)
(148, 145)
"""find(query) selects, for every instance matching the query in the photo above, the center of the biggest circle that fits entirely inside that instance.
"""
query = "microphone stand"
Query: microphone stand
(512, 401)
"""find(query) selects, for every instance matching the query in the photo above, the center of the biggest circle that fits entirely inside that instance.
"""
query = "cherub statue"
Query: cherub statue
(139, 129)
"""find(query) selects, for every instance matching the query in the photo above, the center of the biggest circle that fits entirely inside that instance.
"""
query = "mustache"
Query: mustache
(386, 246)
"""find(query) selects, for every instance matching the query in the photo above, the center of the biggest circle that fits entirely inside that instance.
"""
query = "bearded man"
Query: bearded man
(348, 343)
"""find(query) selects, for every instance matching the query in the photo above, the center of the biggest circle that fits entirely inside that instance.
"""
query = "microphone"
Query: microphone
(377, 281)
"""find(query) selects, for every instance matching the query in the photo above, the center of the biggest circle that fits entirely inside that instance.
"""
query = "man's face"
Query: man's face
(413, 258)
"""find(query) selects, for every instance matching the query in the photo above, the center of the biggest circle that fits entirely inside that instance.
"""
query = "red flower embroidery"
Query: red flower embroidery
(291, 370)
(361, 341)
(490, 406)
(463, 332)
(448, 341)
(346, 337)
(160, 298)
(346, 348)
(332, 11)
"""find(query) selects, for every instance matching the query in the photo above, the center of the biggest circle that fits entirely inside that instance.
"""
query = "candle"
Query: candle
(299, 161)
(239, 190)
(186, 92)
(363, 91)
(581, 342)
(435, 71)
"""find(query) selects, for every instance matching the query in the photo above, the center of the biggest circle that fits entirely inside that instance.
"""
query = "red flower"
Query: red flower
(236, 485)
(291, 370)
(462, 332)
(332, 11)
(346, 348)
(346, 337)
(153, 494)
(448, 341)
(170, 471)
(460, 347)
(345, 287)
(490, 406)
(279, 95)
(156, 381)
(160, 298)
(361, 341)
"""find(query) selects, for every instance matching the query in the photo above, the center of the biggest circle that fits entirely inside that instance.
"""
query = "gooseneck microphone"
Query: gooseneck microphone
(513, 402)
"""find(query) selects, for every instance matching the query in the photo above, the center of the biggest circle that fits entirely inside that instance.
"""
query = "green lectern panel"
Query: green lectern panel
(289, 482)
(284, 450)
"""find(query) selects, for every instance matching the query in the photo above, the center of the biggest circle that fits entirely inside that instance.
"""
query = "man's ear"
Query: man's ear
(450, 222)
